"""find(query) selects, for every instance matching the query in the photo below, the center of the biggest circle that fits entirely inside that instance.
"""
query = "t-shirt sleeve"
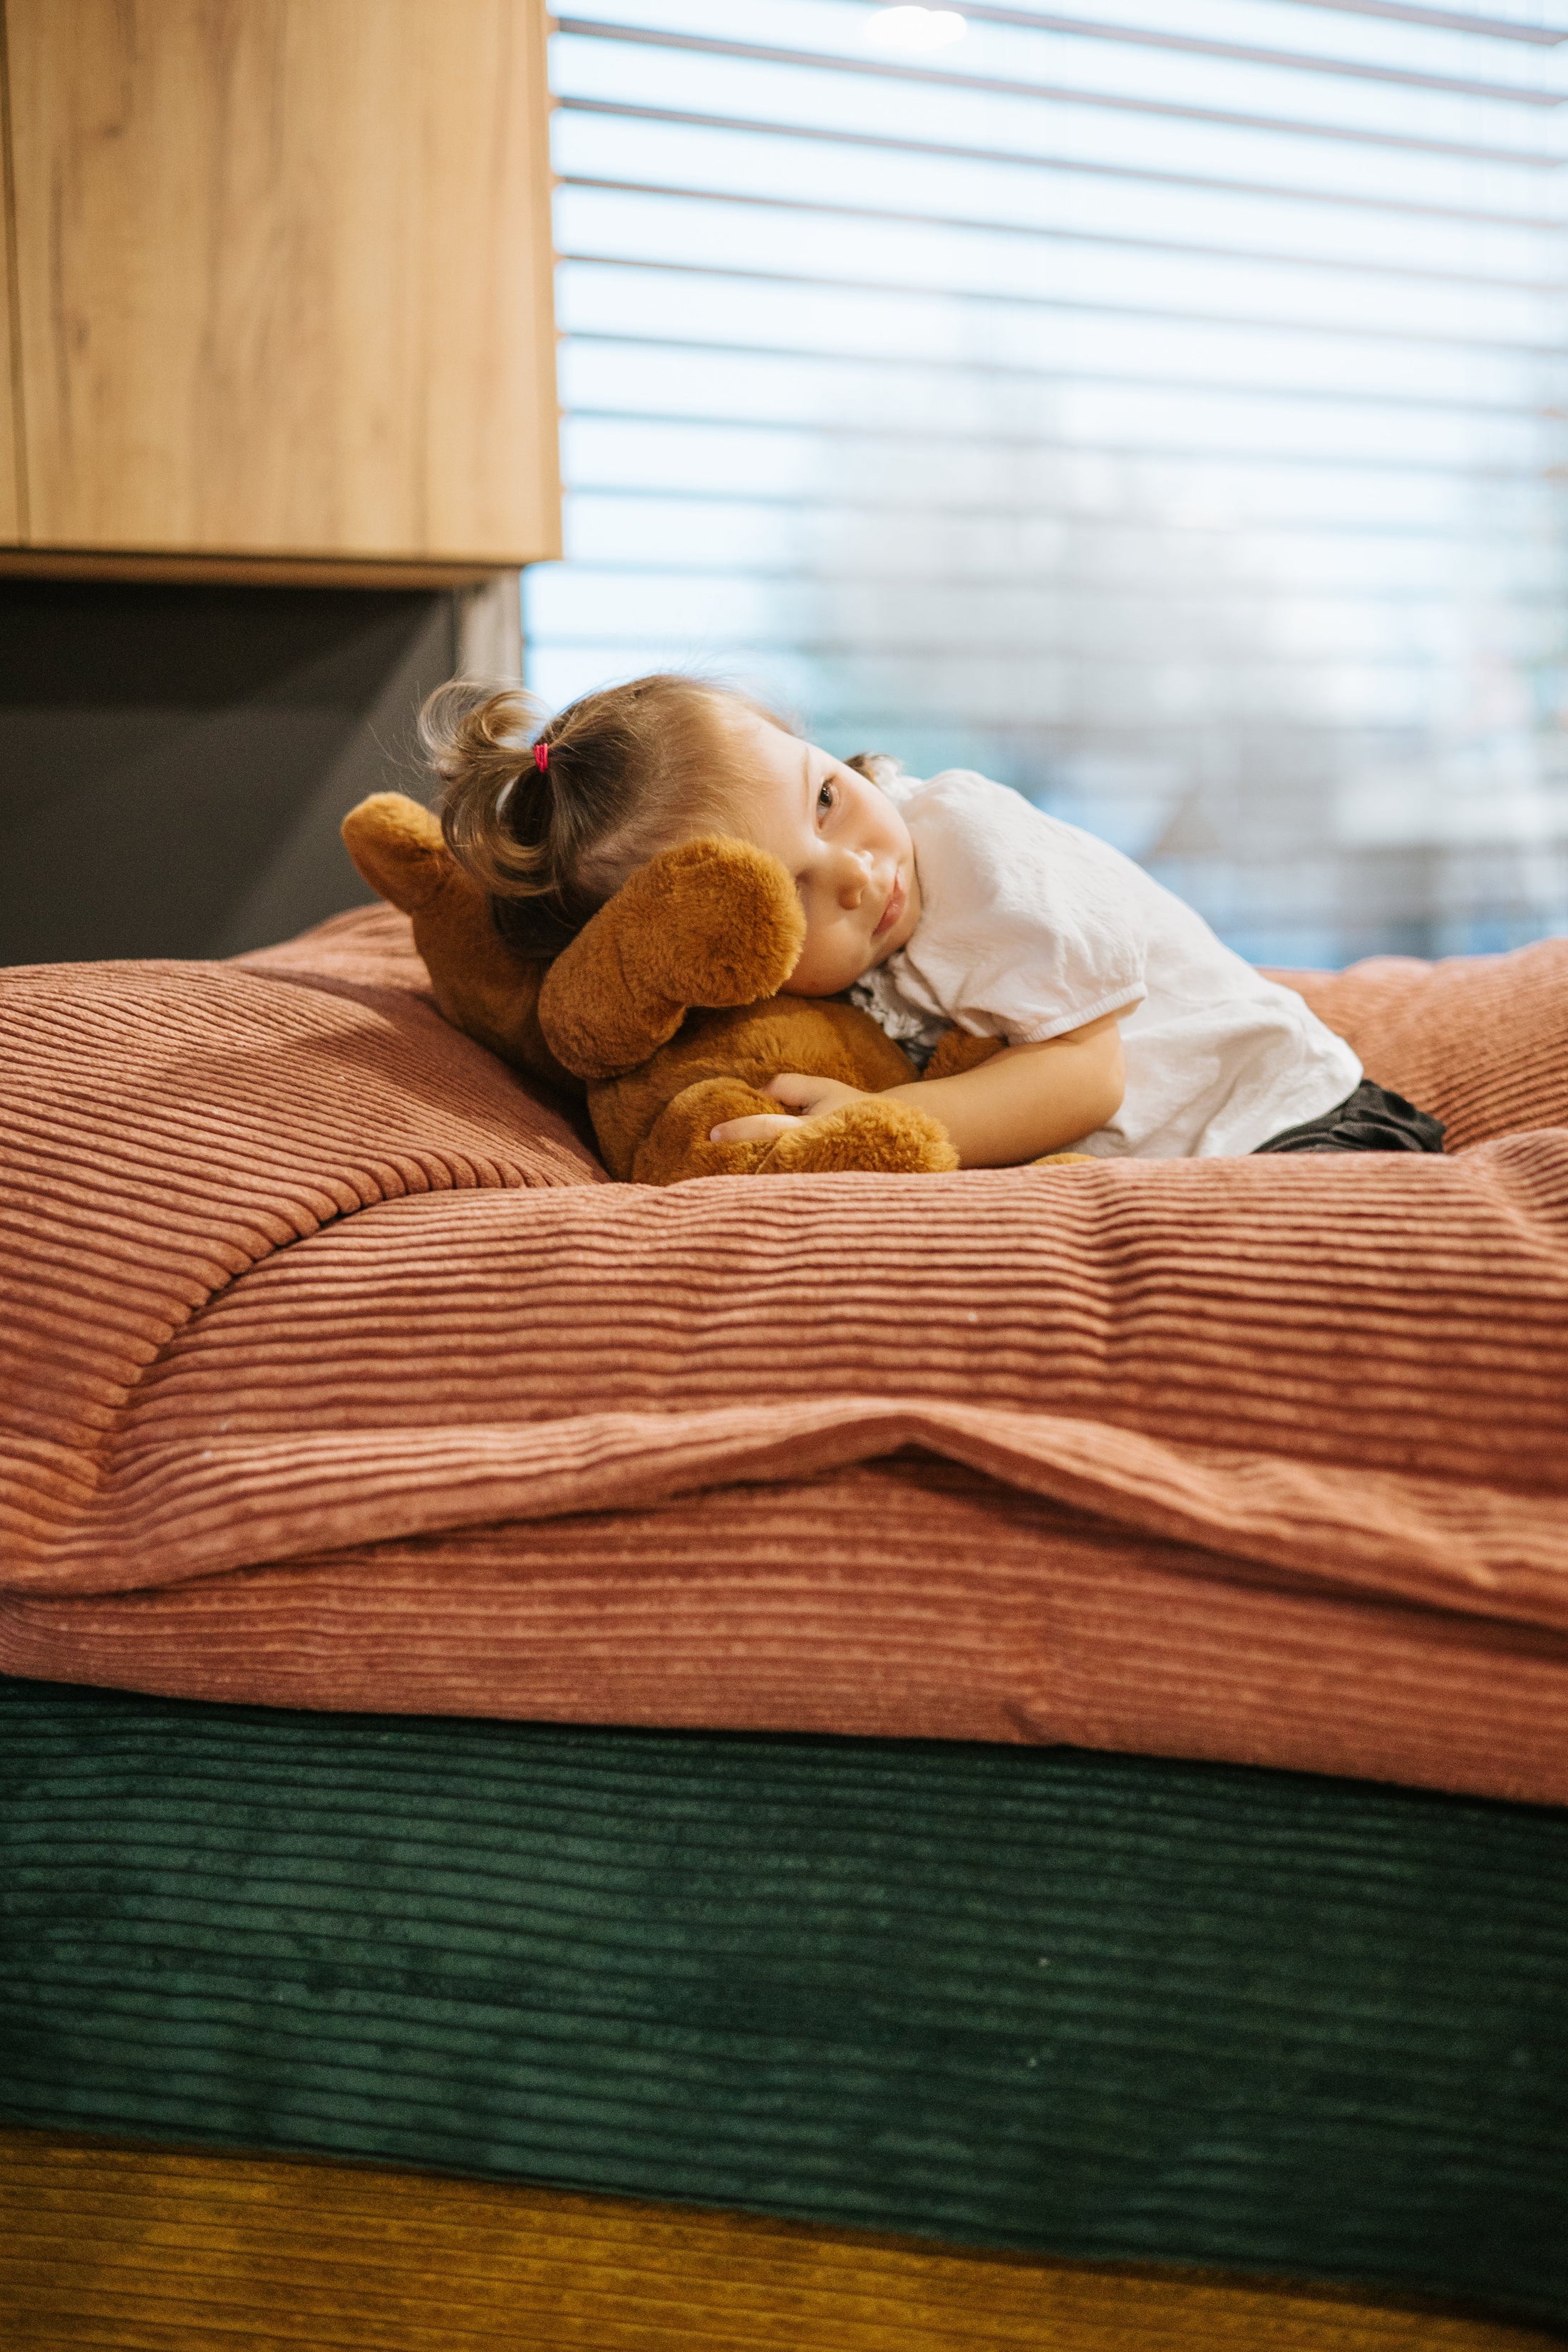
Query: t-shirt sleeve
(1027, 927)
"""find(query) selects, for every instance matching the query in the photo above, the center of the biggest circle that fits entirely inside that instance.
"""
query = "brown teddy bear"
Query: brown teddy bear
(664, 1007)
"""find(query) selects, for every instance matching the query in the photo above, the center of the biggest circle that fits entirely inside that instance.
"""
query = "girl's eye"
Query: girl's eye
(825, 796)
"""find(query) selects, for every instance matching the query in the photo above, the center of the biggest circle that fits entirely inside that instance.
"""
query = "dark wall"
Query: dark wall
(174, 762)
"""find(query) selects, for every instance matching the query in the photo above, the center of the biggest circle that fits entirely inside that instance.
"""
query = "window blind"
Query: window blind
(1161, 410)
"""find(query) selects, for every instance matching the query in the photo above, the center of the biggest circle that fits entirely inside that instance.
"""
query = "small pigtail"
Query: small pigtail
(498, 796)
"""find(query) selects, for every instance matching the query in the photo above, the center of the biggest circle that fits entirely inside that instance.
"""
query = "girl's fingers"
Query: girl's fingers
(793, 1087)
(759, 1129)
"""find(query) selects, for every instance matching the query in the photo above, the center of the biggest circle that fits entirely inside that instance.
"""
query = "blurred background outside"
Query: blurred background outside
(1159, 408)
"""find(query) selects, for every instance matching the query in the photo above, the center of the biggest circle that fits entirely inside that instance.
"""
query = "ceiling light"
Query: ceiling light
(915, 28)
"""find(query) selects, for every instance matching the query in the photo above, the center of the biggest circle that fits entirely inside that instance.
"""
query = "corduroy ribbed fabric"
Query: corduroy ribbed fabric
(910, 1596)
(110, 2248)
(310, 1298)
(1482, 1042)
(1100, 2006)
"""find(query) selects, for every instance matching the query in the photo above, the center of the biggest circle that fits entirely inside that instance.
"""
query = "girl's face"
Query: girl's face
(844, 842)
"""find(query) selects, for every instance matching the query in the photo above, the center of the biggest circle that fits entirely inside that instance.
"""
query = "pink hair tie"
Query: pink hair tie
(542, 757)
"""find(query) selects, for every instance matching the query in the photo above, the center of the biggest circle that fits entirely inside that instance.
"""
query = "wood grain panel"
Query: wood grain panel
(11, 524)
(10, 499)
(284, 276)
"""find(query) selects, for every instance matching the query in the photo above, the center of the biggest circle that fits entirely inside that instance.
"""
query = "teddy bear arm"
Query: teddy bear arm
(858, 1138)
(678, 1144)
(865, 1138)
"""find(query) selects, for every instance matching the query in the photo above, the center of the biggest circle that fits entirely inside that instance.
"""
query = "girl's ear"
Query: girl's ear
(712, 922)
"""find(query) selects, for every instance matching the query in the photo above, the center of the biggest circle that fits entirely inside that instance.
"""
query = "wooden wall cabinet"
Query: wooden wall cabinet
(10, 438)
(278, 288)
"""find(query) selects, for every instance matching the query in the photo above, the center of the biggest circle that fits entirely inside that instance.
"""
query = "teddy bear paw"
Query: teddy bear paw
(865, 1138)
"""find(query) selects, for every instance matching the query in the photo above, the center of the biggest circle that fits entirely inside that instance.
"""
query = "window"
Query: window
(1159, 408)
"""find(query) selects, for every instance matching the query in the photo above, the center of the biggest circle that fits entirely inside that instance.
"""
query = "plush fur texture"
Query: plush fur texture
(482, 987)
(665, 1008)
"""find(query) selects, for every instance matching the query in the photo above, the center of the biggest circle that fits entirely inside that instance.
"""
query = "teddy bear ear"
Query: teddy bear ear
(481, 986)
(712, 922)
(397, 846)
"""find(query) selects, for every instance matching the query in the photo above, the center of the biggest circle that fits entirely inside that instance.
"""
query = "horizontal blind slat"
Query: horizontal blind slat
(875, 322)
(1277, 126)
(660, 530)
(1406, 12)
(1011, 30)
(916, 218)
(1211, 293)
(1065, 130)
(802, 381)
(1210, 436)
(1289, 61)
(758, 131)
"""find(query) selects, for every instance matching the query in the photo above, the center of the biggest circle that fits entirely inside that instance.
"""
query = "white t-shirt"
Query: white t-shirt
(1029, 927)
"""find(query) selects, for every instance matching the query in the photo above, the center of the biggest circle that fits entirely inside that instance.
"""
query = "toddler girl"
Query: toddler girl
(1127, 1027)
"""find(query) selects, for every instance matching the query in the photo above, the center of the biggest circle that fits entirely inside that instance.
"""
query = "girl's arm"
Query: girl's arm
(1026, 1100)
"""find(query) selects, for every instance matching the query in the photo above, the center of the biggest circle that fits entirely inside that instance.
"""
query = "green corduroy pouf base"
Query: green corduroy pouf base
(1099, 2006)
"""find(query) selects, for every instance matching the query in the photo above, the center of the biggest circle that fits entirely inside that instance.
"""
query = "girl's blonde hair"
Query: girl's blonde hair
(551, 820)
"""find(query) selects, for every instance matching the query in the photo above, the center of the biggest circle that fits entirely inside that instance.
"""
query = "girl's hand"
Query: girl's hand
(804, 1097)
(1023, 1102)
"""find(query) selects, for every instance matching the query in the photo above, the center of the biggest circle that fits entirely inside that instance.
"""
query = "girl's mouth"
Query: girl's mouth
(898, 897)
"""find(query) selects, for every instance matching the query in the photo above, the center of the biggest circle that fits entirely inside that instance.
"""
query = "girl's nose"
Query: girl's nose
(857, 881)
